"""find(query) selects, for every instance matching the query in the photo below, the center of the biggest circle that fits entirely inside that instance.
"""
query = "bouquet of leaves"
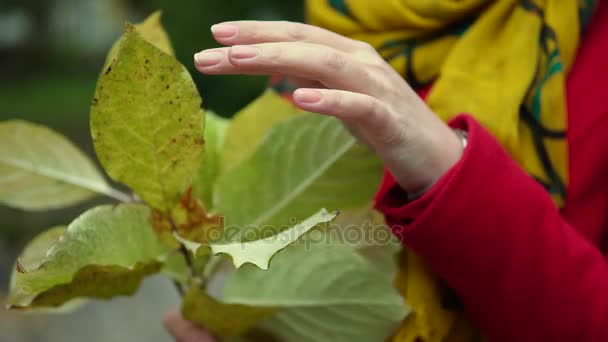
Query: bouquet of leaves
(232, 211)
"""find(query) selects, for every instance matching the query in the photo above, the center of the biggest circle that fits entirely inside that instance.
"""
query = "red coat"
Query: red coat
(524, 270)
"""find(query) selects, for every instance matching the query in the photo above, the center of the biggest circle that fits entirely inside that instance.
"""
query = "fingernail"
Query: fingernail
(224, 30)
(307, 96)
(208, 58)
(244, 52)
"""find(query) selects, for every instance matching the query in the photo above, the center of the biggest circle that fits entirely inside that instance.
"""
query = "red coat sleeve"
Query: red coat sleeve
(496, 238)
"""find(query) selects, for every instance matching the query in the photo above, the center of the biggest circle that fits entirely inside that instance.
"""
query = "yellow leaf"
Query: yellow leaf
(152, 31)
(147, 124)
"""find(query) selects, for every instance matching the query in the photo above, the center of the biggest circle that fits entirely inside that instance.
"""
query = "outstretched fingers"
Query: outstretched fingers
(331, 67)
(257, 32)
(352, 108)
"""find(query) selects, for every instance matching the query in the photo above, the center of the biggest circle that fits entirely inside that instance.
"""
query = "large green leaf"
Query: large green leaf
(365, 230)
(152, 31)
(146, 122)
(40, 169)
(305, 163)
(249, 126)
(105, 252)
(215, 130)
(259, 252)
(326, 292)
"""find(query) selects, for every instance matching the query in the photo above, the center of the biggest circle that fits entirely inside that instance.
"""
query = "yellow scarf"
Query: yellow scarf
(504, 62)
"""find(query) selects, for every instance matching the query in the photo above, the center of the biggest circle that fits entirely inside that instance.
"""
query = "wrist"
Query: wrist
(431, 165)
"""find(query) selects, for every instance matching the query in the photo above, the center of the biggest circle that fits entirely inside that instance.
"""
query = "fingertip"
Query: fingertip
(171, 318)
(172, 314)
(224, 31)
(184, 330)
(307, 97)
(208, 58)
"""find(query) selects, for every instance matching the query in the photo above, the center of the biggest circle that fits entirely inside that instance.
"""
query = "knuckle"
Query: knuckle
(374, 109)
(334, 60)
(256, 35)
(297, 31)
(373, 113)
(387, 81)
(272, 54)
(364, 47)
(337, 101)
(394, 135)
(380, 69)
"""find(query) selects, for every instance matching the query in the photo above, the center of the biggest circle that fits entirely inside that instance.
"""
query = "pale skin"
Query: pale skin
(343, 78)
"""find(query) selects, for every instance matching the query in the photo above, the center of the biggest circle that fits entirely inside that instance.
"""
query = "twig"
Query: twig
(188, 258)
(214, 262)
(184, 251)
(179, 288)
(117, 195)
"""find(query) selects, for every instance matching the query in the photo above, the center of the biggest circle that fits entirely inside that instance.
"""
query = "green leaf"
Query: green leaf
(259, 252)
(146, 122)
(105, 252)
(365, 230)
(40, 169)
(383, 254)
(215, 130)
(152, 31)
(326, 292)
(33, 254)
(249, 126)
(305, 163)
(219, 318)
(175, 267)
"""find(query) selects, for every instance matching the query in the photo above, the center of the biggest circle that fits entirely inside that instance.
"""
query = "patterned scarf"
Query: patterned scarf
(504, 62)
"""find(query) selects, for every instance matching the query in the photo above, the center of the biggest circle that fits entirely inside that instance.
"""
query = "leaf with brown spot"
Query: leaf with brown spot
(189, 221)
(192, 222)
(134, 126)
(104, 253)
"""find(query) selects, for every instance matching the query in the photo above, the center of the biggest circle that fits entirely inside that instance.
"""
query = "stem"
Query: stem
(184, 251)
(214, 262)
(117, 195)
(188, 258)
(179, 288)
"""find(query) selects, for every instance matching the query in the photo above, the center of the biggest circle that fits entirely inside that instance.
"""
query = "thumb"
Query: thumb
(183, 330)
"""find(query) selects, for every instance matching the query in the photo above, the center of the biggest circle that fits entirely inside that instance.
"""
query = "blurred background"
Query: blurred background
(51, 52)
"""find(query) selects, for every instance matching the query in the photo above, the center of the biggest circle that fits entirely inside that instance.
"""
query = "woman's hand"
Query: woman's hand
(340, 77)
(347, 79)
